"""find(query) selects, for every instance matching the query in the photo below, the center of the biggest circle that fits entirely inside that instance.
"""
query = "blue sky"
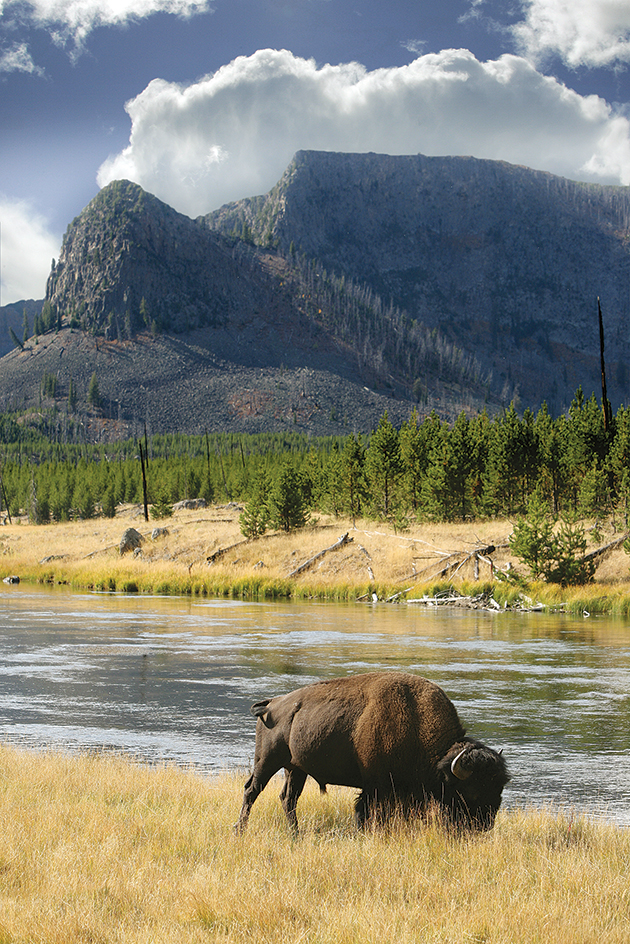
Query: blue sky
(205, 101)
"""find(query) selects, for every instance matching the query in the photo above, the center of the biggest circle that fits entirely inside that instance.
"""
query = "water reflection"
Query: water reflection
(172, 679)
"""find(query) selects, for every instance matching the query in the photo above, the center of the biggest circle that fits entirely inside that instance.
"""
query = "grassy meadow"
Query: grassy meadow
(99, 849)
(376, 559)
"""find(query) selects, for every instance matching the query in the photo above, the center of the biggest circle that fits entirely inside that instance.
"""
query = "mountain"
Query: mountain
(360, 283)
(506, 262)
(190, 329)
(12, 319)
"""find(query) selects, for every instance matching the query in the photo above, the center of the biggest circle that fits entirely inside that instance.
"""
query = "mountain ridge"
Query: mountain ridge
(437, 283)
(506, 261)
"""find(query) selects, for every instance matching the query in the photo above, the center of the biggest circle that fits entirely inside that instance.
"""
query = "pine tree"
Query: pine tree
(352, 472)
(94, 396)
(108, 502)
(550, 435)
(412, 439)
(330, 495)
(162, 507)
(383, 466)
(60, 496)
(83, 500)
(435, 492)
(286, 503)
(48, 317)
(532, 538)
(460, 466)
(254, 519)
(72, 396)
(587, 442)
(15, 339)
(505, 469)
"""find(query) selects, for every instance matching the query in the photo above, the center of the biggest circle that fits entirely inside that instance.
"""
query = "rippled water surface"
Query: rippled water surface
(172, 679)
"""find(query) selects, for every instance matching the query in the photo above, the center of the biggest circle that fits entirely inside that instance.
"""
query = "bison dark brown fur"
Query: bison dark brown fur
(396, 737)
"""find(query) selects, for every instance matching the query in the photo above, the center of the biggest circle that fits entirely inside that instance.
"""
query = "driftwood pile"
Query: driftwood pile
(481, 601)
(449, 563)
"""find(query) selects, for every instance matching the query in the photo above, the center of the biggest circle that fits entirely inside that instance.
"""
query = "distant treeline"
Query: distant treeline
(427, 469)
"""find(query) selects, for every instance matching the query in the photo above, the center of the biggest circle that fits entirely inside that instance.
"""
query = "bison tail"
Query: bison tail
(260, 710)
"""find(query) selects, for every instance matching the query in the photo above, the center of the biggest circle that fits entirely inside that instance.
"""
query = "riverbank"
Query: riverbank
(202, 552)
(97, 848)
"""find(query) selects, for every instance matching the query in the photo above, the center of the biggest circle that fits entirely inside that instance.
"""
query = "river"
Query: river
(171, 679)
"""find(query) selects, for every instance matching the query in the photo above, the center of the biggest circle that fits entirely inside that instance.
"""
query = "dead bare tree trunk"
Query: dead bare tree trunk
(144, 482)
(606, 407)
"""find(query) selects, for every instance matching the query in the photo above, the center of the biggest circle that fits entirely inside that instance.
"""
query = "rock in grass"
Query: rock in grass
(130, 540)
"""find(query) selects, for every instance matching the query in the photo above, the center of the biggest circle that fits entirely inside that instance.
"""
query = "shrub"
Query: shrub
(162, 507)
(532, 537)
(254, 520)
(559, 556)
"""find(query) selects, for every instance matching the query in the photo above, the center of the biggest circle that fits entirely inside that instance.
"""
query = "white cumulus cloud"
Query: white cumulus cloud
(73, 20)
(582, 32)
(232, 134)
(27, 250)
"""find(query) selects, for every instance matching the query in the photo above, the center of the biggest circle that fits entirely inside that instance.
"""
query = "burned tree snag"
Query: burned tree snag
(605, 401)
(144, 482)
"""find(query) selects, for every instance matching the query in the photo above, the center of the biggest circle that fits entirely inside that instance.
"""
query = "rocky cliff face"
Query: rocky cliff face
(505, 261)
(130, 263)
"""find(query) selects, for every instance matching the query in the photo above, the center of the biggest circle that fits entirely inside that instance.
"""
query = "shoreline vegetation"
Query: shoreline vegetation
(99, 848)
(202, 552)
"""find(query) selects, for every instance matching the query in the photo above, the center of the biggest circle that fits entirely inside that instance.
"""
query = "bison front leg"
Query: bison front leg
(291, 791)
(362, 809)
(373, 807)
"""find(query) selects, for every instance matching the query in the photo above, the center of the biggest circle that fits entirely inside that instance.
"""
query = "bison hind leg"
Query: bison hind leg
(253, 787)
(290, 794)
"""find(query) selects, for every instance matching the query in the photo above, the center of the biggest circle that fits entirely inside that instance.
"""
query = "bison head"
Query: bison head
(472, 780)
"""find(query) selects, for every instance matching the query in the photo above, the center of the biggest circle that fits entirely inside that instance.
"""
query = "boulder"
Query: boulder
(130, 540)
(190, 504)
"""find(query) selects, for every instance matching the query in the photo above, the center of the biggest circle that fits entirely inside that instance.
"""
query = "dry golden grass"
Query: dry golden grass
(85, 554)
(98, 849)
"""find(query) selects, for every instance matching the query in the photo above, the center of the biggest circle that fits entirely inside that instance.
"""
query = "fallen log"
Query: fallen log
(223, 550)
(395, 596)
(344, 539)
(601, 552)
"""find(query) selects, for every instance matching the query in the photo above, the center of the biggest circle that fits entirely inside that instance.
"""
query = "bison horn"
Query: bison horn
(457, 769)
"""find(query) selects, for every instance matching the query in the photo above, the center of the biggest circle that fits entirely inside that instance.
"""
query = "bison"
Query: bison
(396, 737)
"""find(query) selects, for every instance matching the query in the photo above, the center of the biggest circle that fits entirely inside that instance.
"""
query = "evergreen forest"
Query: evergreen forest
(577, 464)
